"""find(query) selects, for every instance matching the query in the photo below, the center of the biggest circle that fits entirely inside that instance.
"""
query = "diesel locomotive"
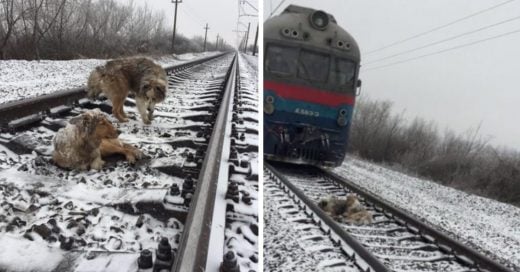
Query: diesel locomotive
(311, 68)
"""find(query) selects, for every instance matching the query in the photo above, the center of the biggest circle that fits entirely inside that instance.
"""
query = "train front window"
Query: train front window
(281, 60)
(344, 72)
(313, 66)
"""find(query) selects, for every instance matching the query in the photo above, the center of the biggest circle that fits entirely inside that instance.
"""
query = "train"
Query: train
(311, 79)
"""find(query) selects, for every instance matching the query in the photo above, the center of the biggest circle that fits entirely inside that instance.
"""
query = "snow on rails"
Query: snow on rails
(395, 241)
(108, 219)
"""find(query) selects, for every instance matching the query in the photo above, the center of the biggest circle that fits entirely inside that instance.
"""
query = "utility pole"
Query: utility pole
(205, 36)
(176, 2)
(247, 37)
(238, 33)
(216, 44)
(256, 40)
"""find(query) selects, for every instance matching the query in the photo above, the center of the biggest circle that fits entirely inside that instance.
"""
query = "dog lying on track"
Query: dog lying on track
(349, 209)
(139, 76)
(86, 139)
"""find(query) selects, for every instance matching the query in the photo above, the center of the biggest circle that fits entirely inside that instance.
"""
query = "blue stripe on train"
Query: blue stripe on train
(294, 111)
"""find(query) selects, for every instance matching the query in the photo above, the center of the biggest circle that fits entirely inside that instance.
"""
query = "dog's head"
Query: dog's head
(94, 123)
(352, 200)
(154, 89)
(324, 202)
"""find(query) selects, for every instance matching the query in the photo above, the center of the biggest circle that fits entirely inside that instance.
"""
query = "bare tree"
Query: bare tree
(465, 161)
(65, 29)
(9, 16)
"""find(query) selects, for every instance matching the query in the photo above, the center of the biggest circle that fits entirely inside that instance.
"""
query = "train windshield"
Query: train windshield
(344, 72)
(281, 60)
(313, 66)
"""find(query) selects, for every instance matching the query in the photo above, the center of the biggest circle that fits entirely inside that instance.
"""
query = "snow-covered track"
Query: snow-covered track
(334, 248)
(225, 201)
(398, 240)
(194, 248)
(105, 219)
(36, 108)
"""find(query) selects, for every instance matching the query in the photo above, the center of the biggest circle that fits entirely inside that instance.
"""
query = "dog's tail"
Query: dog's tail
(94, 82)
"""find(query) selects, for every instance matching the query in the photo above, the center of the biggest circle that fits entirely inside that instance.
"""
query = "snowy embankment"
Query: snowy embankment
(252, 60)
(491, 227)
(20, 79)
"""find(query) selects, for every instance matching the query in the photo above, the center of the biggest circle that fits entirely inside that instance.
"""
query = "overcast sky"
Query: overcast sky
(192, 16)
(458, 89)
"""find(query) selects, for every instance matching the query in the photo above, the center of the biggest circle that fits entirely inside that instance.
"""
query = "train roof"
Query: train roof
(295, 24)
(304, 10)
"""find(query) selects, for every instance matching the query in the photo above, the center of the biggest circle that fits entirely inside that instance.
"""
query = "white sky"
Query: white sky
(192, 16)
(458, 89)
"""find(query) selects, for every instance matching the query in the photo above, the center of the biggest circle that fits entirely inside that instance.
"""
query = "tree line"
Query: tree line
(464, 161)
(70, 29)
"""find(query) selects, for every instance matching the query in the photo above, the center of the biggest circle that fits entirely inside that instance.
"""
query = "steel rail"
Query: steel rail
(194, 245)
(374, 263)
(42, 104)
(462, 252)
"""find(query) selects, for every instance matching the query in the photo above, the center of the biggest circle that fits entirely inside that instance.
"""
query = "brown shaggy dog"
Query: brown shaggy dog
(349, 209)
(87, 138)
(139, 76)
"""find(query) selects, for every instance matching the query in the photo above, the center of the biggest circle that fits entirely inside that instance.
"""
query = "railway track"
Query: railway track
(395, 241)
(108, 220)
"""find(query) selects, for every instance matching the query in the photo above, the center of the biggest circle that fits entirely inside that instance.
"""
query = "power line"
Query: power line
(242, 11)
(249, 4)
(191, 17)
(445, 50)
(193, 13)
(443, 40)
(439, 27)
(272, 12)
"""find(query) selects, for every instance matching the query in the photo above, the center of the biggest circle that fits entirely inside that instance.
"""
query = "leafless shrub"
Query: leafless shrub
(65, 29)
(465, 161)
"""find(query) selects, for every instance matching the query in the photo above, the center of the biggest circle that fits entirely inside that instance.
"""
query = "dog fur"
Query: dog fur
(140, 76)
(86, 139)
(348, 209)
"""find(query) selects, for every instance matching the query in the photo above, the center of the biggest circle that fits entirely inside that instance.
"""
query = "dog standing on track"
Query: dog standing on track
(139, 76)
(86, 139)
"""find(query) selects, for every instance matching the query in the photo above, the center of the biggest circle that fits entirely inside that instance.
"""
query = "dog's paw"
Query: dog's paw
(131, 158)
(147, 121)
(97, 164)
(138, 154)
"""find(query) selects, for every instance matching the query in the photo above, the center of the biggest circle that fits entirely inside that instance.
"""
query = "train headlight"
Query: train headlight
(342, 118)
(269, 104)
(319, 20)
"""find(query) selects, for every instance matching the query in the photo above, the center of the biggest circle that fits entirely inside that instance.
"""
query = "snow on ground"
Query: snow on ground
(20, 79)
(23, 255)
(291, 243)
(252, 60)
(98, 220)
(170, 60)
(485, 224)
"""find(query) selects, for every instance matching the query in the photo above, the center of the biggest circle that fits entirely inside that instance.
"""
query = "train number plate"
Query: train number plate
(307, 112)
